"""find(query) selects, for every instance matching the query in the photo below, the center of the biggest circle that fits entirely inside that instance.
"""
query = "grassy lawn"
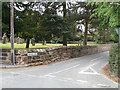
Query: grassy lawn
(37, 45)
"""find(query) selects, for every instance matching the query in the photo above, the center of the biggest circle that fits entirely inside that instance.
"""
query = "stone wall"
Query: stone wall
(55, 54)
(5, 56)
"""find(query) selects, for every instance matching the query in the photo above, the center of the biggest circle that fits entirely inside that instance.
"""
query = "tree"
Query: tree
(107, 15)
(51, 25)
(29, 27)
(27, 19)
(82, 16)
(52, 8)
(6, 18)
(109, 11)
(64, 16)
(87, 11)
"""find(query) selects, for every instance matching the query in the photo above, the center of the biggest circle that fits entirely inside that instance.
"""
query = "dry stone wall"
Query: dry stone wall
(55, 54)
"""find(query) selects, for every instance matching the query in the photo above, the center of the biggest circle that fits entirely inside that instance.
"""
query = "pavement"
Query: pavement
(82, 72)
(6, 66)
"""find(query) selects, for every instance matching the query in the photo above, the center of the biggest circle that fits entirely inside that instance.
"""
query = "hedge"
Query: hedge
(114, 59)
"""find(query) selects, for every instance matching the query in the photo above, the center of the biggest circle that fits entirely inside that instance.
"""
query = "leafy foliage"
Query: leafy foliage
(41, 20)
(6, 18)
(107, 13)
(114, 59)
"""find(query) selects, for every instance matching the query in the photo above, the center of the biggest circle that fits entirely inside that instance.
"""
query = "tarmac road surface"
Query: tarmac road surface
(82, 72)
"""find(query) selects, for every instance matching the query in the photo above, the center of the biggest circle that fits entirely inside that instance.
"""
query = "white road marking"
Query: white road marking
(73, 67)
(82, 81)
(92, 73)
(49, 75)
(53, 72)
(97, 58)
(103, 85)
(69, 79)
(25, 74)
(90, 67)
(65, 69)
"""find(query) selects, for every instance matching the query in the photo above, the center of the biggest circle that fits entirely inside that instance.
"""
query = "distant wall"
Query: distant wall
(55, 54)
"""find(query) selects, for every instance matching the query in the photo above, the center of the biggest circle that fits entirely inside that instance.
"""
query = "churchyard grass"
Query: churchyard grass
(37, 45)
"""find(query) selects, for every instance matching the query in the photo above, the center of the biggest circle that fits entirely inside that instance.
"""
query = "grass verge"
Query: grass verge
(109, 74)
(37, 45)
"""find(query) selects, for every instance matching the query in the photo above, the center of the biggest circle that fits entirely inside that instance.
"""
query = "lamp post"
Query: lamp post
(12, 34)
(118, 32)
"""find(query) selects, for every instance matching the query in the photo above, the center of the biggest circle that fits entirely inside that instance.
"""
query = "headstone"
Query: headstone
(4, 39)
(23, 41)
(33, 42)
(15, 40)
(80, 42)
(19, 40)
(0, 39)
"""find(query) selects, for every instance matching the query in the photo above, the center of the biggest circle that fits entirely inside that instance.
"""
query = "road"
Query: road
(82, 72)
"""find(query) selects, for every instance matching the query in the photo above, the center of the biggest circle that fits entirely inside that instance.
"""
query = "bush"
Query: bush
(114, 59)
(40, 41)
(99, 42)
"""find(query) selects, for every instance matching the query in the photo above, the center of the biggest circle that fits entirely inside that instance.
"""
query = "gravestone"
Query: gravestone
(19, 40)
(23, 41)
(4, 38)
(15, 40)
(33, 42)
(0, 39)
(80, 42)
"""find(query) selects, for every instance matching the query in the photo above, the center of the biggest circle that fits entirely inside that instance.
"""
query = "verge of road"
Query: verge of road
(105, 70)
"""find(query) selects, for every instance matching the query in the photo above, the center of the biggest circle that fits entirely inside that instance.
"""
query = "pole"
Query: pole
(12, 34)
(119, 34)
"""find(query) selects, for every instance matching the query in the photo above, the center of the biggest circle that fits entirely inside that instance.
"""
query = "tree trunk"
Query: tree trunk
(85, 33)
(64, 10)
(27, 43)
(64, 16)
(64, 40)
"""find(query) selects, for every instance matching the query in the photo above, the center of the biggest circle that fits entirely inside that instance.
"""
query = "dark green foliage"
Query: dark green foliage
(107, 13)
(52, 27)
(6, 18)
(105, 18)
(114, 59)
(84, 15)
(102, 36)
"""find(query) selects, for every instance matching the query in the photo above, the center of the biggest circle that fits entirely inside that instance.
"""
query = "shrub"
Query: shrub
(114, 59)
(99, 41)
